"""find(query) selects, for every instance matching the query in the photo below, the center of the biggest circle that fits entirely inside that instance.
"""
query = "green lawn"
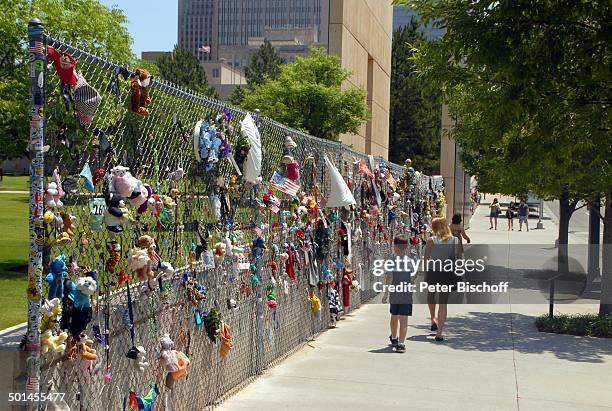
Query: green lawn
(11, 183)
(13, 253)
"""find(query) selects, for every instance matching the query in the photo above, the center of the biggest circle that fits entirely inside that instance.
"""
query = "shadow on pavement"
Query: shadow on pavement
(490, 332)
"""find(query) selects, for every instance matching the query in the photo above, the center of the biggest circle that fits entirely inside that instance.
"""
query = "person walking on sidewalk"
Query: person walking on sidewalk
(400, 300)
(458, 231)
(440, 247)
(495, 211)
(523, 213)
(510, 216)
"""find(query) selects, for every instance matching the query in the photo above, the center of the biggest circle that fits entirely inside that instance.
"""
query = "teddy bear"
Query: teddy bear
(69, 222)
(52, 196)
(138, 261)
(292, 168)
(115, 214)
(51, 342)
(56, 277)
(76, 305)
(140, 93)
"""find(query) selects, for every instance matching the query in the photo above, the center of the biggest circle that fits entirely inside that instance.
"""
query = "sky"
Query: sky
(152, 23)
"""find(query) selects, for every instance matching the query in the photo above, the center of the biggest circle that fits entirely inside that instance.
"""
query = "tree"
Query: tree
(149, 66)
(86, 23)
(237, 96)
(265, 63)
(308, 96)
(415, 115)
(182, 68)
(528, 84)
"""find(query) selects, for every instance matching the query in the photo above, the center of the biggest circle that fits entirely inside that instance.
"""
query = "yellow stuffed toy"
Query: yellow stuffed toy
(55, 343)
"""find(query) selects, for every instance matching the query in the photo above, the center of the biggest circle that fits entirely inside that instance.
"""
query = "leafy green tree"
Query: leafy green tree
(181, 67)
(86, 23)
(265, 63)
(149, 66)
(237, 96)
(308, 96)
(529, 86)
(415, 115)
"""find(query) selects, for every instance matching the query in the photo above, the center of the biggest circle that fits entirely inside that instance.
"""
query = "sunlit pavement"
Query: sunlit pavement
(493, 358)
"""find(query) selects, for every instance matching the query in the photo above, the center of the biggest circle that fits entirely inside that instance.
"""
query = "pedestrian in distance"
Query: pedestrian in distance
(459, 231)
(400, 301)
(495, 211)
(523, 215)
(510, 216)
(440, 247)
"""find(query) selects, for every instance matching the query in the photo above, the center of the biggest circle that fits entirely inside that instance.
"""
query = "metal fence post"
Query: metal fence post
(36, 229)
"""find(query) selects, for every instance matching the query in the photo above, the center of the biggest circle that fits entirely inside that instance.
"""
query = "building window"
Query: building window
(215, 73)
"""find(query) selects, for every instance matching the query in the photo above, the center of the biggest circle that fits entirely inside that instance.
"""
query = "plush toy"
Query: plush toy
(69, 222)
(76, 305)
(64, 66)
(165, 270)
(55, 278)
(146, 403)
(85, 346)
(292, 168)
(271, 296)
(140, 94)
(52, 196)
(220, 251)
(175, 362)
(226, 340)
(115, 214)
(114, 253)
(138, 355)
(51, 342)
(315, 304)
(129, 187)
(138, 261)
(51, 310)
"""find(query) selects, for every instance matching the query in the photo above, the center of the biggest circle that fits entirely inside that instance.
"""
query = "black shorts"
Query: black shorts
(401, 309)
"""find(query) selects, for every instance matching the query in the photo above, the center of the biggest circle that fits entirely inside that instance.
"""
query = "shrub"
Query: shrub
(578, 324)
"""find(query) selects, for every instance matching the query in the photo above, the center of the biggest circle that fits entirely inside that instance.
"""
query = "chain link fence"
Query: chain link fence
(155, 148)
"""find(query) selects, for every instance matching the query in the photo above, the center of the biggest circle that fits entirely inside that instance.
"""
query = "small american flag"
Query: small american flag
(36, 47)
(32, 385)
(284, 184)
(204, 49)
(155, 259)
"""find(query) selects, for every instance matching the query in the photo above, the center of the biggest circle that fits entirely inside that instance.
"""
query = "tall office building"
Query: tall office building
(197, 28)
(357, 31)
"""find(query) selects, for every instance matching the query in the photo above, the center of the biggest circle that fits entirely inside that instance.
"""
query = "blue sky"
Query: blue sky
(152, 23)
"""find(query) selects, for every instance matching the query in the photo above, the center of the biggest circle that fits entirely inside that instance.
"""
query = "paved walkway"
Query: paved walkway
(493, 358)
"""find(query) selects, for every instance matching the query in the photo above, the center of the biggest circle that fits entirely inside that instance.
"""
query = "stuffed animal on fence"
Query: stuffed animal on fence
(131, 188)
(140, 93)
(69, 221)
(226, 340)
(175, 363)
(52, 196)
(138, 261)
(146, 403)
(52, 342)
(64, 65)
(85, 347)
(115, 214)
(51, 310)
(56, 277)
(138, 355)
(76, 305)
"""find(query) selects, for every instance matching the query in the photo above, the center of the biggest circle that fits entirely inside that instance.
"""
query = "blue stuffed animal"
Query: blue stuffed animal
(59, 272)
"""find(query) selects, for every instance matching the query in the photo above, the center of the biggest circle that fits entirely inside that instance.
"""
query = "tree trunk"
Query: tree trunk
(565, 213)
(605, 306)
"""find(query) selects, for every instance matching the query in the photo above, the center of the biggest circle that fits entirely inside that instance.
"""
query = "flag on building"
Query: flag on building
(283, 184)
(204, 49)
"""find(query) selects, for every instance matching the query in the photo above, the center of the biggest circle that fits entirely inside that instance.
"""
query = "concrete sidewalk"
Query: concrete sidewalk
(492, 358)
